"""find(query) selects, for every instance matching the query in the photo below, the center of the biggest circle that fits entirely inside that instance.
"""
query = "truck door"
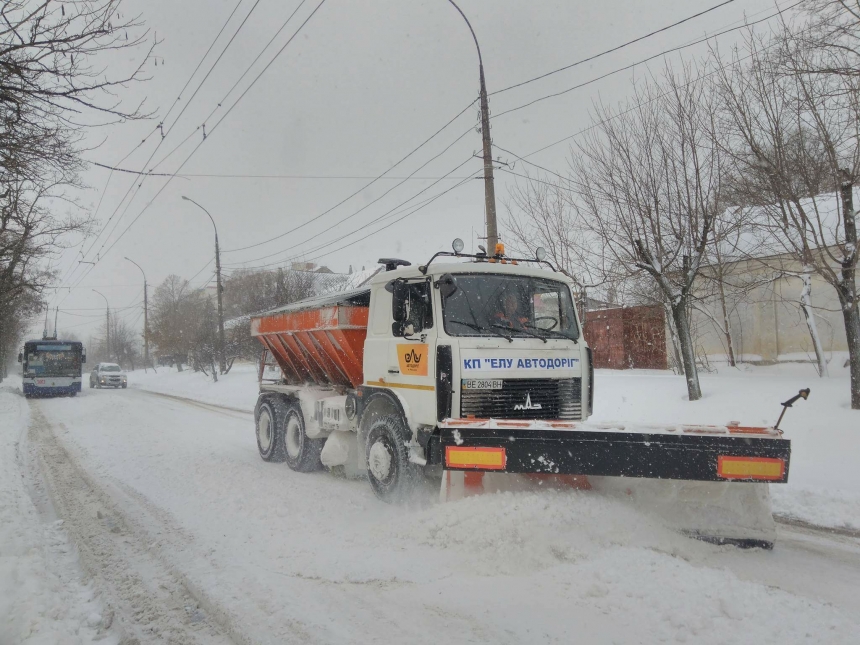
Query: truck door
(403, 359)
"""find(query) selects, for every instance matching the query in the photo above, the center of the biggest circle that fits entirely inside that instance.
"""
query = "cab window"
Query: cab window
(418, 309)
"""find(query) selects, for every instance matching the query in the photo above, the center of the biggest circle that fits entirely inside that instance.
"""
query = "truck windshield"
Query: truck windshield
(509, 305)
(111, 368)
(56, 361)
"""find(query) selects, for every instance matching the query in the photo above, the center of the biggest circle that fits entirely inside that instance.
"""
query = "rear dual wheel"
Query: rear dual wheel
(281, 436)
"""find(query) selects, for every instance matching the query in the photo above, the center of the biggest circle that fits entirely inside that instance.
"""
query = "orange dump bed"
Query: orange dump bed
(319, 340)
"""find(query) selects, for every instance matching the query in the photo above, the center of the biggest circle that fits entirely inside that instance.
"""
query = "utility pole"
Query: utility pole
(107, 322)
(489, 188)
(221, 358)
(145, 317)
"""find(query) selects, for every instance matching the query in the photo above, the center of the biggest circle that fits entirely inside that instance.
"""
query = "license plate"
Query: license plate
(482, 384)
(40, 381)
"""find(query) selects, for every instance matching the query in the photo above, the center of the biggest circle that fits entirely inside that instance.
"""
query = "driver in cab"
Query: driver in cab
(511, 314)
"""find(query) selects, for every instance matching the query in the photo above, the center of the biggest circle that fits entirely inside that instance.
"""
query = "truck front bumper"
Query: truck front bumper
(696, 453)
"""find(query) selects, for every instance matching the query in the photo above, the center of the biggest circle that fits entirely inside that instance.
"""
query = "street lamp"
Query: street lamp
(221, 358)
(489, 188)
(145, 318)
(107, 321)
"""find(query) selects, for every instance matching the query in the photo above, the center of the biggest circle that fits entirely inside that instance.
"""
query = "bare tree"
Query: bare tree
(779, 122)
(541, 213)
(648, 179)
(53, 84)
(174, 318)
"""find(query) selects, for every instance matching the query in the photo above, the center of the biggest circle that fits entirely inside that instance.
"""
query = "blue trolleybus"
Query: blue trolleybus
(52, 367)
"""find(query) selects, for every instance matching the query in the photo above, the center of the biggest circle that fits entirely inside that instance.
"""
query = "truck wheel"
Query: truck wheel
(270, 440)
(302, 452)
(392, 476)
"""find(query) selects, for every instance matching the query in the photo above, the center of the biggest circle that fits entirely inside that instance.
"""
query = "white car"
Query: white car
(108, 375)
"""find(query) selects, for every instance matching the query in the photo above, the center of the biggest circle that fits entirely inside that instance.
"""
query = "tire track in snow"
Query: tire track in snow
(150, 602)
(211, 407)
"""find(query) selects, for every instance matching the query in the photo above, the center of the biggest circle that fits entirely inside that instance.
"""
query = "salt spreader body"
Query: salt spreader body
(474, 369)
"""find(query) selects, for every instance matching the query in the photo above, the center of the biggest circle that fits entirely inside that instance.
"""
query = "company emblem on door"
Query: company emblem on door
(413, 359)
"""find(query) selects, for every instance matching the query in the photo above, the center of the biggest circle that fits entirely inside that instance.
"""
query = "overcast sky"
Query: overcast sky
(363, 83)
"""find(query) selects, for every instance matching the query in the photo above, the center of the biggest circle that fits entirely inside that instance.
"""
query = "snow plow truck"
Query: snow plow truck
(471, 370)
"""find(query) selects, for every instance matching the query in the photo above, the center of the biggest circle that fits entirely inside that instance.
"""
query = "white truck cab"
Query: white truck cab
(477, 340)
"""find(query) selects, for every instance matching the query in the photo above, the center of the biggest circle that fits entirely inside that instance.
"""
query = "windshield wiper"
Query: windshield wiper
(478, 328)
(525, 330)
(557, 334)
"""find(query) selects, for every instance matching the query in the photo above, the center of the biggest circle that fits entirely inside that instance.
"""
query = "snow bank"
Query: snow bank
(824, 481)
(238, 389)
(42, 598)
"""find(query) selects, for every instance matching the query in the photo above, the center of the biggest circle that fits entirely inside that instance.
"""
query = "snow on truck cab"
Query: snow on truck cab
(462, 369)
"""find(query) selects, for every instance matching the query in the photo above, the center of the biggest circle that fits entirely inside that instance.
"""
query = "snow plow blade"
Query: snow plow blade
(693, 453)
(704, 481)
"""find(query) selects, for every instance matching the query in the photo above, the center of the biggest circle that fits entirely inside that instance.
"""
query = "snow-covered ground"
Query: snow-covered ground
(43, 599)
(824, 482)
(274, 556)
(189, 537)
(238, 389)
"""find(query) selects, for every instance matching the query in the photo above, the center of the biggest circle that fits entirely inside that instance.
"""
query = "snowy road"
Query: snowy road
(190, 537)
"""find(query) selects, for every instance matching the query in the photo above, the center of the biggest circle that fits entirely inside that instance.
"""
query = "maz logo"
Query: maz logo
(528, 405)
(412, 357)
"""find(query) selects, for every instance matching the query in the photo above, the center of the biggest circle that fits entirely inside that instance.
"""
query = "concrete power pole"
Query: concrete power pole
(222, 359)
(489, 188)
(145, 317)
(107, 320)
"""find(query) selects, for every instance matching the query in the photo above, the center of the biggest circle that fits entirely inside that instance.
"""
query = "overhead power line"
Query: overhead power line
(158, 127)
(102, 248)
(234, 86)
(412, 152)
(364, 187)
(220, 121)
(613, 49)
(416, 208)
(640, 62)
(364, 226)
(700, 77)
(214, 65)
(371, 203)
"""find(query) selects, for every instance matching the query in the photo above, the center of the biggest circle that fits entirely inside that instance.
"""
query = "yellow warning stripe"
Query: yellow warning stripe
(406, 386)
(750, 468)
(475, 457)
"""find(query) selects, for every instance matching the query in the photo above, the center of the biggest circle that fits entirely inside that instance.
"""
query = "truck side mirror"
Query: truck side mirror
(20, 357)
(447, 286)
(84, 356)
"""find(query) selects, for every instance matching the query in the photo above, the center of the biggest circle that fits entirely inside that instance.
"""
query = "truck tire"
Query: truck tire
(302, 453)
(392, 476)
(270, 438)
